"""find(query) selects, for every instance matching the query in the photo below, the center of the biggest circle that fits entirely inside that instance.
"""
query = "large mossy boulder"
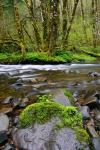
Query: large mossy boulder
(48, 125)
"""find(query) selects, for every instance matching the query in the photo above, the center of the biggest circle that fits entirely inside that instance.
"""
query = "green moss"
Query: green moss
(60, 56)
(70, 96)
(43, 111)
(45, 98)
(81, 134)
(83, 57)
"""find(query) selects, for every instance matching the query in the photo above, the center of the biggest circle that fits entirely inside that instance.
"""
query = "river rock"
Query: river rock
(7, 100)
(24, 102)
(3, 136)
(98, 116)
(58, 96)
(92, 131)
(89, 97)
(5, 108)
(4, 122)
(84, 110)
(96, 143)
(17, 85)
(94, 74)
(9, 147)
(41, 79)
(46, 137)
(13, 101)
(13, 73)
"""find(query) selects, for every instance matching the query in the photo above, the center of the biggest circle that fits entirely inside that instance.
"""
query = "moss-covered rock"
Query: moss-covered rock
(43, 111)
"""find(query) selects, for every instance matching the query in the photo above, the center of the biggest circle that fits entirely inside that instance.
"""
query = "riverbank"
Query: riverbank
(20, 86)
(44, 58)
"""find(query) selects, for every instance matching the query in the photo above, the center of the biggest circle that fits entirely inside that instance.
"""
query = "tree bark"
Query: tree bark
(19, 27)
(54, 23)
(71, 22)
(29, 4)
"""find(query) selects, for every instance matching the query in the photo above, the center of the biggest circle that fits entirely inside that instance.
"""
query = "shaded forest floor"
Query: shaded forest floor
(42, 58)
(59, 56)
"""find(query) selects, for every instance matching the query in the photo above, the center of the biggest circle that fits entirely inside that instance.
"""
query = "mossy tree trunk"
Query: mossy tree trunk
(53, 24)
(45, 22)
(71, 22)
(29, 4)
(95, 22)
(3, 34)
(19, 27)
(84, 22)
(65, 19)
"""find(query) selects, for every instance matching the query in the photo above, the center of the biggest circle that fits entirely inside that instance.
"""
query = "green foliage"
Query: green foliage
(45, 98)
(38, 57)
(81, 134)
(70, 96)
(3, 57)
(44, 110)
(83, 57)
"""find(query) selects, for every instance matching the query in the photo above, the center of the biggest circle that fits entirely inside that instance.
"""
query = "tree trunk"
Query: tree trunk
(29, 4)
(19, 27)
(45, 23)
(54, 23)
(65, 19)
(83, 18)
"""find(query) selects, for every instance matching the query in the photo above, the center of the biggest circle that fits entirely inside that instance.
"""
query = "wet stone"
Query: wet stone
(96, 143)
(3, 136)
(94, 74)
(7, 100)
(46, 137)
(98, 116)
(4, 122)
(6, 108)
(17, 85)
(84, 110)
(13, 73)
(9, 147)
(58, 96)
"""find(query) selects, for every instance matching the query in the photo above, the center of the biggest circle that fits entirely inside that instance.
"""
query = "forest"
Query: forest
(49, 74)
(49, 31)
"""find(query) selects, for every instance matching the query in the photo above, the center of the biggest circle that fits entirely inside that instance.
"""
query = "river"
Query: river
(25, 82)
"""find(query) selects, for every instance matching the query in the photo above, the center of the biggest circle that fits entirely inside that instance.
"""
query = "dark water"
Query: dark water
(23, 80)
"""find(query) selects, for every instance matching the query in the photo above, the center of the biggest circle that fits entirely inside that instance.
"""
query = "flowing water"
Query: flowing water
(20, 85)
(23, 80)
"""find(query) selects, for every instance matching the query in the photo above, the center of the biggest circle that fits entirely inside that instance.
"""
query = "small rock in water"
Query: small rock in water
(9, 147)
(4, 122)
(24, 102)
(98, 116)
(10, 100)
(13, 73)
(94, 74)
(5, 108)
(3, 136)
(17, 85)
(7, 100)
(16, 121)
(59, 97)
(92, 131)
(96, 143)
(84, 110)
